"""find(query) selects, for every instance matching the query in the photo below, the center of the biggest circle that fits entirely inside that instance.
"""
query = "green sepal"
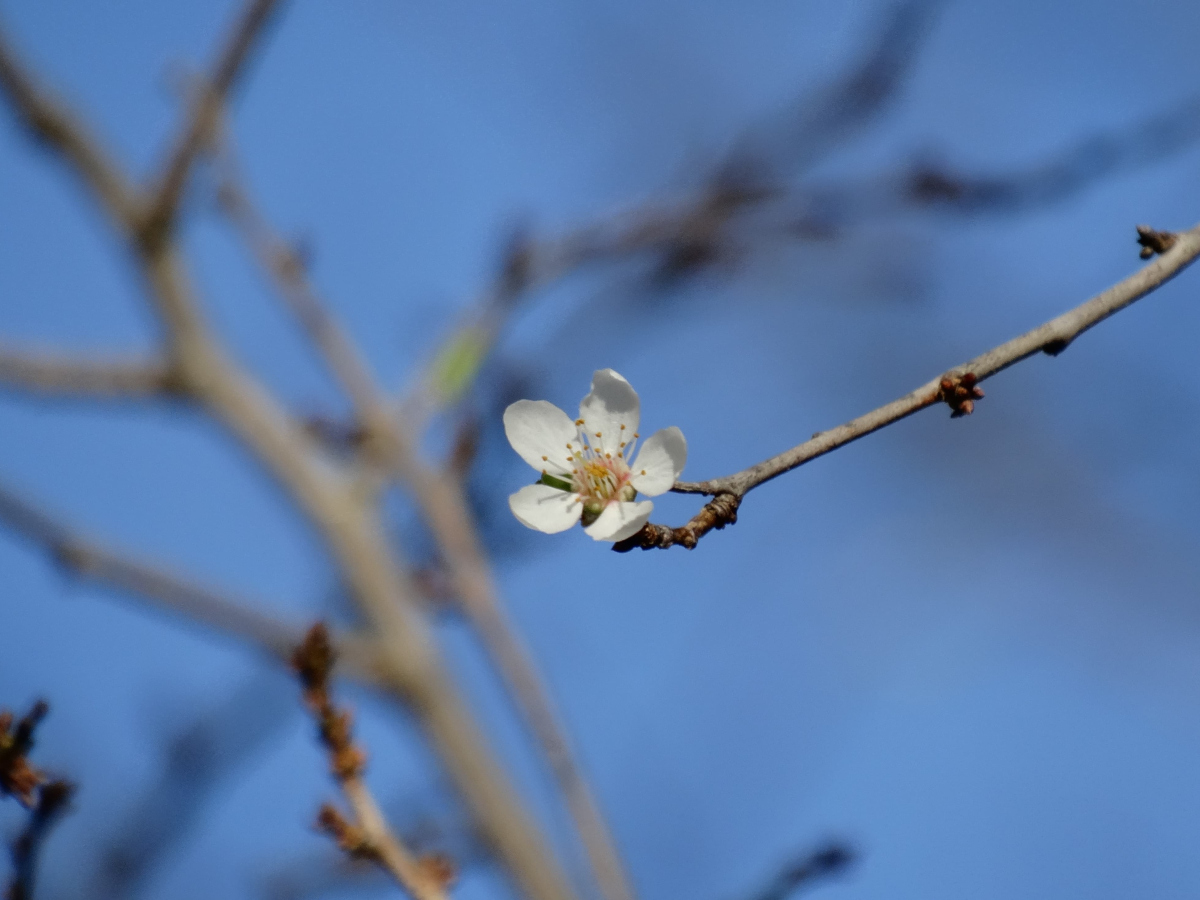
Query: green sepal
(555, 482)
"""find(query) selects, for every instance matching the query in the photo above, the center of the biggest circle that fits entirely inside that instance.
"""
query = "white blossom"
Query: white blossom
(586, 467)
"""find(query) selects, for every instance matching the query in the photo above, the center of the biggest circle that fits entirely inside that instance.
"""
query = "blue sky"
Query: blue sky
(969, 647)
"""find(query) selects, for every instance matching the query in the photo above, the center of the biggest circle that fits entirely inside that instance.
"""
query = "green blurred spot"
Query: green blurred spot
(456, 365)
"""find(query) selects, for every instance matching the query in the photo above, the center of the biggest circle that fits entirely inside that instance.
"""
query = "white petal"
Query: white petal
(545, 508)
(611, 404)
(620, 520)
(659, 462)
(540, 432)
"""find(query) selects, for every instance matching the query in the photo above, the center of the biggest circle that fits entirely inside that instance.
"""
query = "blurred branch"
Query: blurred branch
(1059, 176)
(368, 836)
(195, 759)
(687, 231)
(80, 377)
(53, 800)
(163, 590)
(957, 388)
(805, 871)
(285, 267)
(448, 517)
(202, 116)
(18, 777)
(50, 122)
(410, 664)
(794, 140)
(45, 799)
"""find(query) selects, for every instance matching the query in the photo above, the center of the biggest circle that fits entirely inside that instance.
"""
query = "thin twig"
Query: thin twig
(956, 387)
(806, 871)
(165, 591)
(45, 799)
(281, 261)
(80, 377)
(49, 120)
(202, 116)
(369, 835)
(52, 802)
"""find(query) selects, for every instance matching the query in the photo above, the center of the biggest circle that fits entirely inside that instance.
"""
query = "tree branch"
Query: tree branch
(49, 121)
(957, 388)
(368, 836)
(81, 377)
(281, 262)
(202, 117)
(165, 591)
(448, 517)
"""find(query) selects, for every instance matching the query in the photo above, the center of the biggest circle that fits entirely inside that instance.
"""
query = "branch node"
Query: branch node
(350, 839)
(1153, 241)
(960, 393)
(17, 776)
(718, 512)
(313, 661)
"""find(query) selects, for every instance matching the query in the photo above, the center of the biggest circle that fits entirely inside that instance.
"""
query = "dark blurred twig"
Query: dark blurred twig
(793, 140)
(46, 799)
(806, 871)
(957, 387)
(53, 799)
(195, 760)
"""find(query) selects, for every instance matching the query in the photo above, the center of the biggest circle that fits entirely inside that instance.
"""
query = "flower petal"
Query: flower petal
(613, 403)
(660, 461)
(545, 508)
(541, 432)
(620, 520)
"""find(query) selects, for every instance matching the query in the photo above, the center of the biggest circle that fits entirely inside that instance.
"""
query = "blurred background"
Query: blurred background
(969, 650)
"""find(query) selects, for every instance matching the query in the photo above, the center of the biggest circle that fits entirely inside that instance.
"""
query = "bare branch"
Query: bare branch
(49, 121)
(369, 835)
(162, 590)
(80, 377)
(446, 511)
(203, 114)
(282, 263)
(957, 388)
